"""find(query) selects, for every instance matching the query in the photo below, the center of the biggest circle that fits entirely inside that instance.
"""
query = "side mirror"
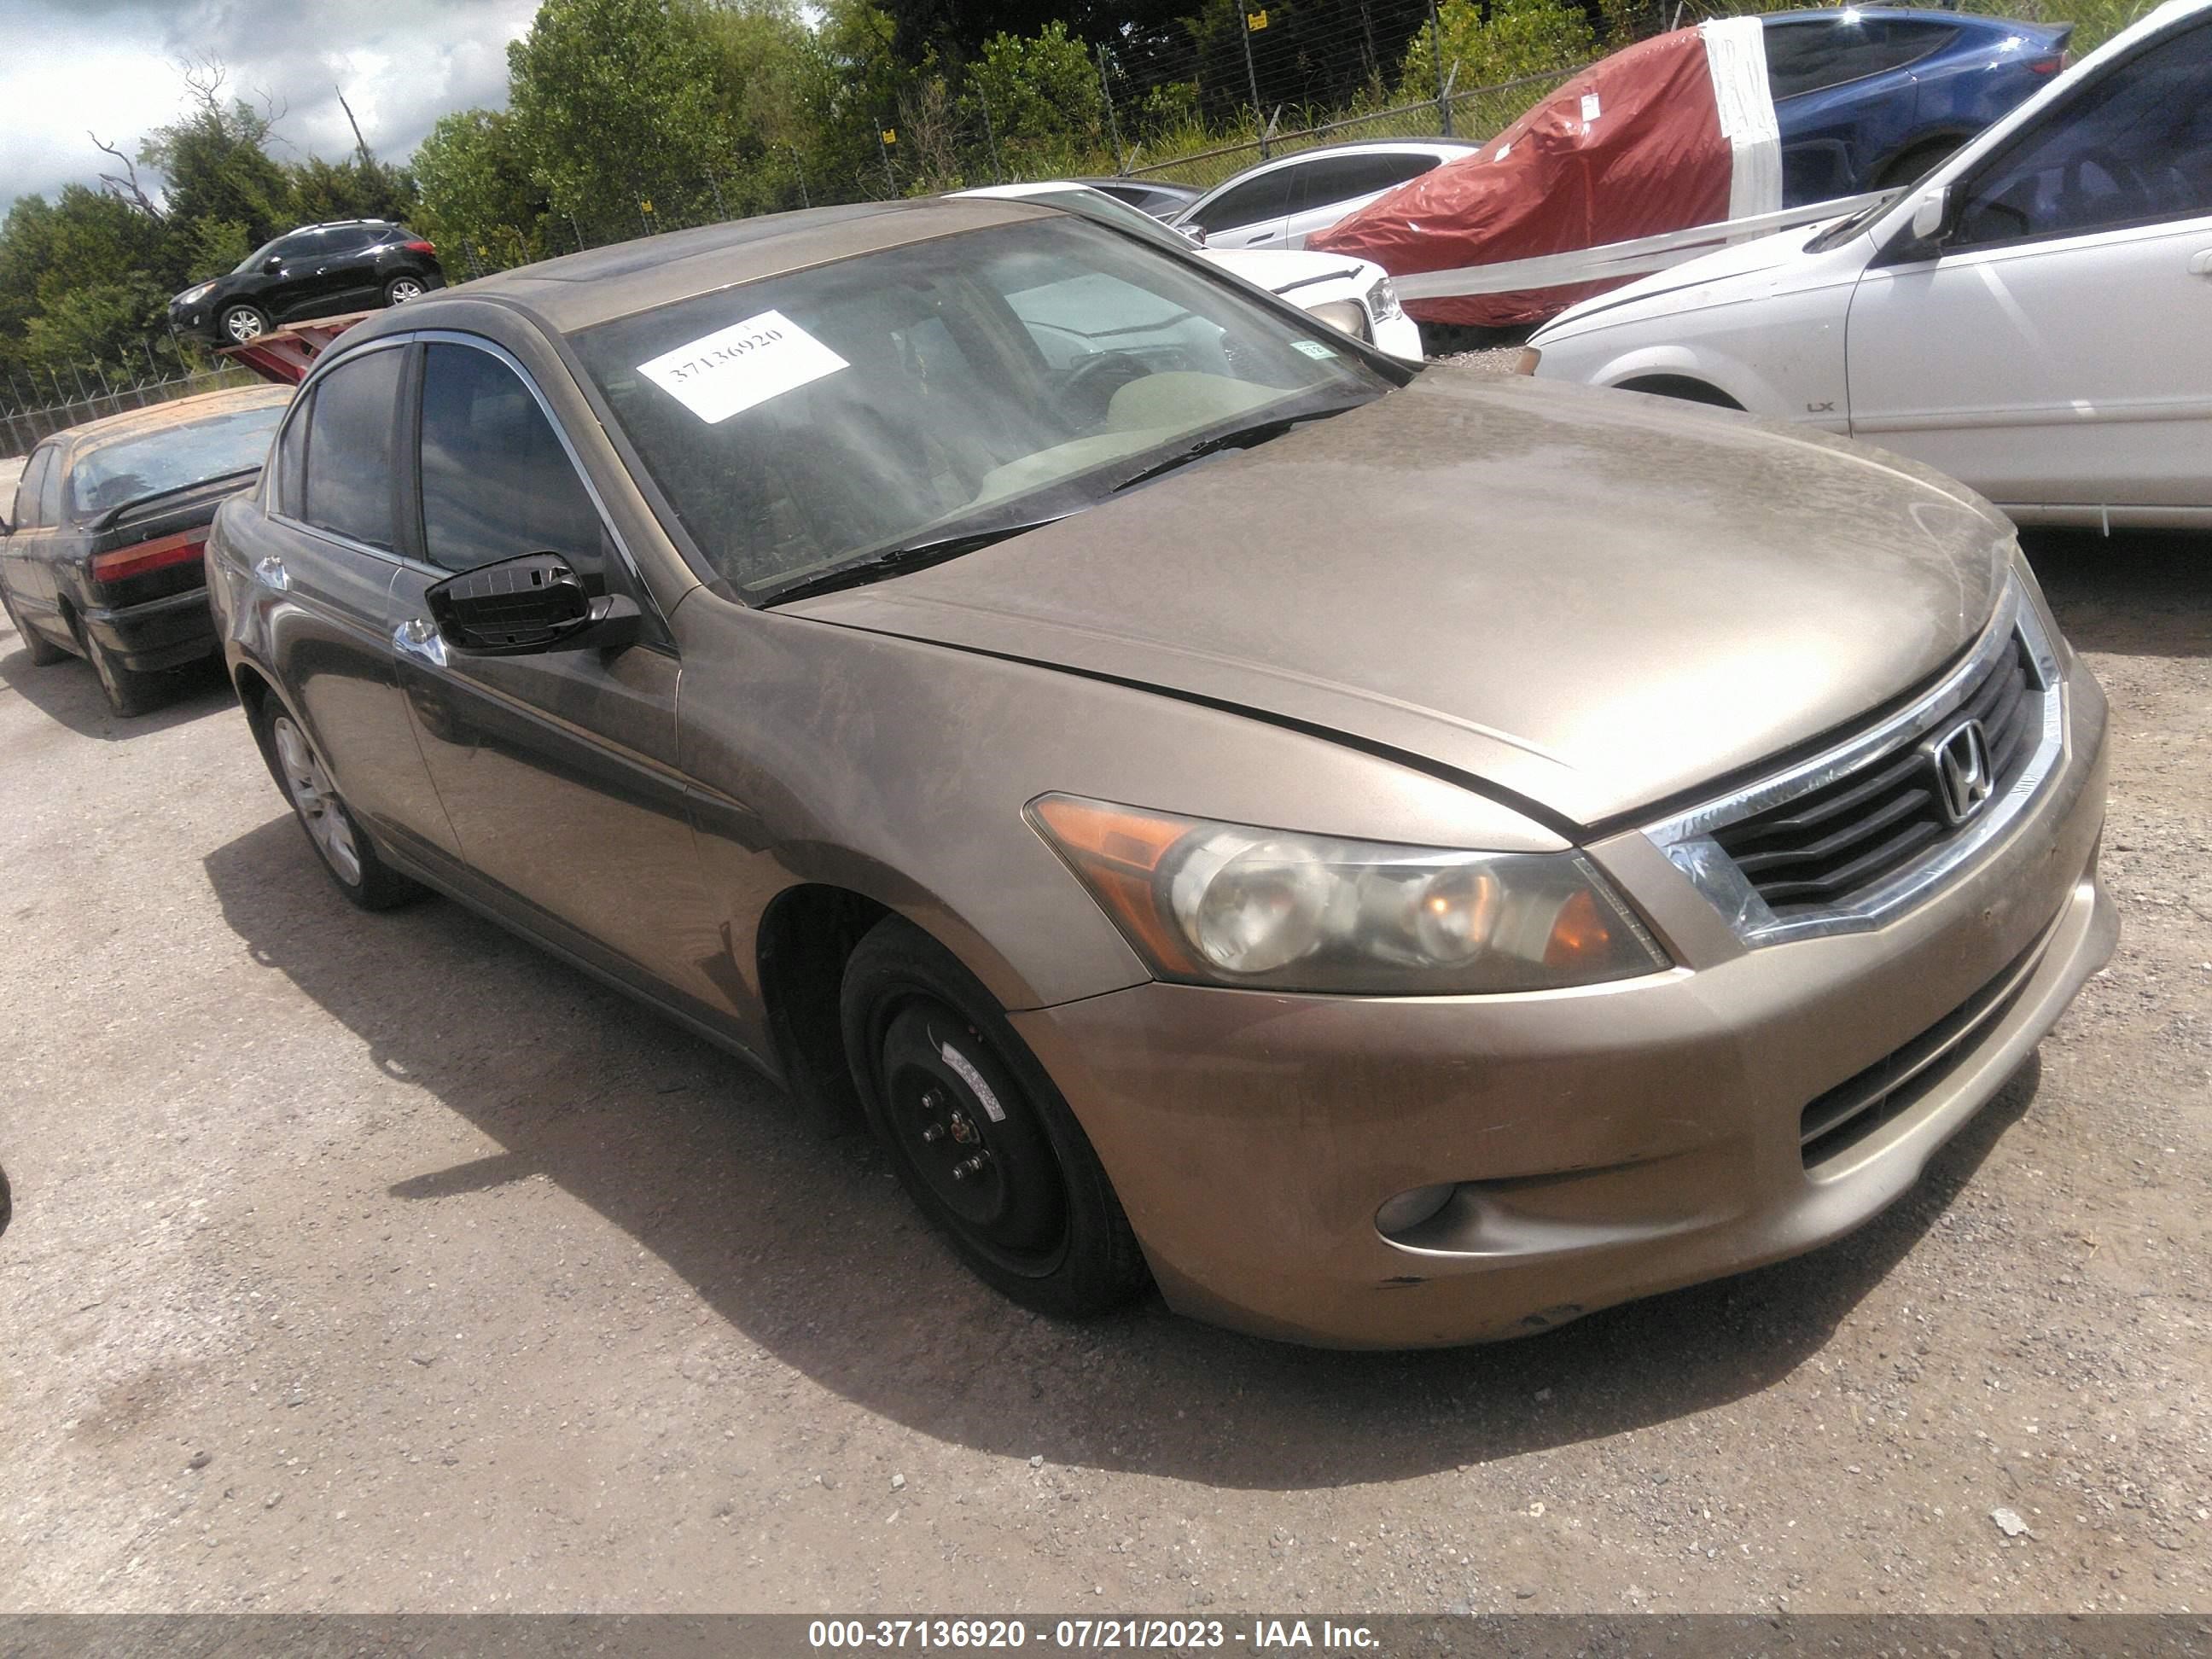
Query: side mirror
(1931, 215)
(534, 602)
(272, 264)
(1195, 233)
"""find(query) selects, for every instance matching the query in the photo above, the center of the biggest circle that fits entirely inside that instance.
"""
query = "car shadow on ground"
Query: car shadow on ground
(68, 691)
(812, 1251)
(2137, 593)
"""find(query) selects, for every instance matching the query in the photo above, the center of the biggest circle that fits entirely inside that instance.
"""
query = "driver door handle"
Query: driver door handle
(2201, 265)
(272, 575)
(417, 637)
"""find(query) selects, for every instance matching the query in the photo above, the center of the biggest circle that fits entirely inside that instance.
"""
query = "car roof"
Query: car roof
(1170, 186)
(578, 290)
(1986, 20)
(178, 411)
(1366, 147)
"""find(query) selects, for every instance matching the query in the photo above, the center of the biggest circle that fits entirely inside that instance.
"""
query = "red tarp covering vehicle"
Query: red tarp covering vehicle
(1673, 132)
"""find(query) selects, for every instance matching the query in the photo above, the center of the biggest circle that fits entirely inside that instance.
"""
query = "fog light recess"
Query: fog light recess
(1409, 1210)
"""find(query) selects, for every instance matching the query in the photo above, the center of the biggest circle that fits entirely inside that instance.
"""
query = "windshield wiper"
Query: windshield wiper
(898, 561)
(1243, 437)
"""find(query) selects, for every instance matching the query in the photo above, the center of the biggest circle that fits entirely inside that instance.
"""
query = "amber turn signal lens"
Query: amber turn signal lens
(1529, 360)
(1117, 851)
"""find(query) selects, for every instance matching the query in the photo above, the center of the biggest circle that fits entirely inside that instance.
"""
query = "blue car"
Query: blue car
(1869, 98)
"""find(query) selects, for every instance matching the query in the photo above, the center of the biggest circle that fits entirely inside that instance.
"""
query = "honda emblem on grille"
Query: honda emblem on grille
(1963, 781)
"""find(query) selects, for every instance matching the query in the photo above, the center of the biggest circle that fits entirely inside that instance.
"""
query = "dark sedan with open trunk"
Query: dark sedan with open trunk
(101, 558)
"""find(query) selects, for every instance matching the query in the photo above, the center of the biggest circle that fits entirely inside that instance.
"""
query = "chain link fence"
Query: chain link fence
(24, 424)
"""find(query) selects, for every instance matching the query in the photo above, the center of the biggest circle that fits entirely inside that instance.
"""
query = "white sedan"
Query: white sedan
(2034, 317)
(1347, 293)
(1278, 204)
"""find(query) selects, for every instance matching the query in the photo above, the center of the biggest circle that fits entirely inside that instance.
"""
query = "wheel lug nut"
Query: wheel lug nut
(934, 1133)
(932, 1101)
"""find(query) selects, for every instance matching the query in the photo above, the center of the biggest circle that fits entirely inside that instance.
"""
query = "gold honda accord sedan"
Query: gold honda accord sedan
(1393, 857)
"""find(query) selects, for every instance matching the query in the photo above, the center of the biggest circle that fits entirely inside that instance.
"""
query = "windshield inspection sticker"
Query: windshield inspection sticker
(1312, 348)
(727, 372)
(974, 1078)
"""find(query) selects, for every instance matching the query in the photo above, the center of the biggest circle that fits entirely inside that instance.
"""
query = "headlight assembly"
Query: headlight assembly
(192, 297)
(1382, 301)
(1230, 904)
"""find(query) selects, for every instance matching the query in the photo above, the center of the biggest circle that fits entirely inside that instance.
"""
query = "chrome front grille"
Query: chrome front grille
(1876, 822)
(1834, 842)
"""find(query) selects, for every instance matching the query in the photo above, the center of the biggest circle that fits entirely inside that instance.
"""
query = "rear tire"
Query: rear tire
(129, 692)
(44, 653)
(979, 1135)
(400, 289)
(349, 856)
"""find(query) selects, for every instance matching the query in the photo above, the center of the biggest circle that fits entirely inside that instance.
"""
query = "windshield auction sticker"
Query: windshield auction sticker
(729, 371)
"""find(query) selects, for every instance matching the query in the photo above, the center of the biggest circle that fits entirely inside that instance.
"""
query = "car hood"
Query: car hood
(1588, 599)
(1736, 263)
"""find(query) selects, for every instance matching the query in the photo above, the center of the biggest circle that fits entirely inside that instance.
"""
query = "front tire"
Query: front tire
(979, 1135)
(348, 855)
(44, 653)
(239, 324)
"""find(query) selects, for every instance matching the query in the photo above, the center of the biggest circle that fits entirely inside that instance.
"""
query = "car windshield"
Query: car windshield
(133, 468)
(943, 388)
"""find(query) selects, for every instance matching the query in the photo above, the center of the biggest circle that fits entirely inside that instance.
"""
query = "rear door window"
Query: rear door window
(496, 480)
(1808, 57)
(1339, 178)
(1253, 201)
(348, 470)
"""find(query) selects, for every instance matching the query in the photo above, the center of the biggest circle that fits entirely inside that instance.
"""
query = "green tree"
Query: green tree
(617, 105)
(1509, 39)
(480, 203)
(360, 187)
(214, 164)
(1042, 97)
(775, 86)
(78, 279)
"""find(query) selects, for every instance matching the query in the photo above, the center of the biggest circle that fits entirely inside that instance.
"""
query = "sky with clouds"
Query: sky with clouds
(111, 66)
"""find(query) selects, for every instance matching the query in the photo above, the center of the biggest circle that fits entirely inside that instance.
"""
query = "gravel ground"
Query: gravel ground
(379, 1263)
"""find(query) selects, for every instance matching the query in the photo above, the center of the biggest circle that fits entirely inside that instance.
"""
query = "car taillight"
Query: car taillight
(2050, 65)
(142, 557)
(421, 247)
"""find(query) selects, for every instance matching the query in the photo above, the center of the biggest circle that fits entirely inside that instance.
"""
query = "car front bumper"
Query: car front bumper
(164, 633)
(1607, 1143)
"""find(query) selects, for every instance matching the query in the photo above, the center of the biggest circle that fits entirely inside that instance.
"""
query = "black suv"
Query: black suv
(317, 270)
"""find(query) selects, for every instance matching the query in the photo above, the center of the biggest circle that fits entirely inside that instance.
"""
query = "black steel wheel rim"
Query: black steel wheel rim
(972, 1140)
